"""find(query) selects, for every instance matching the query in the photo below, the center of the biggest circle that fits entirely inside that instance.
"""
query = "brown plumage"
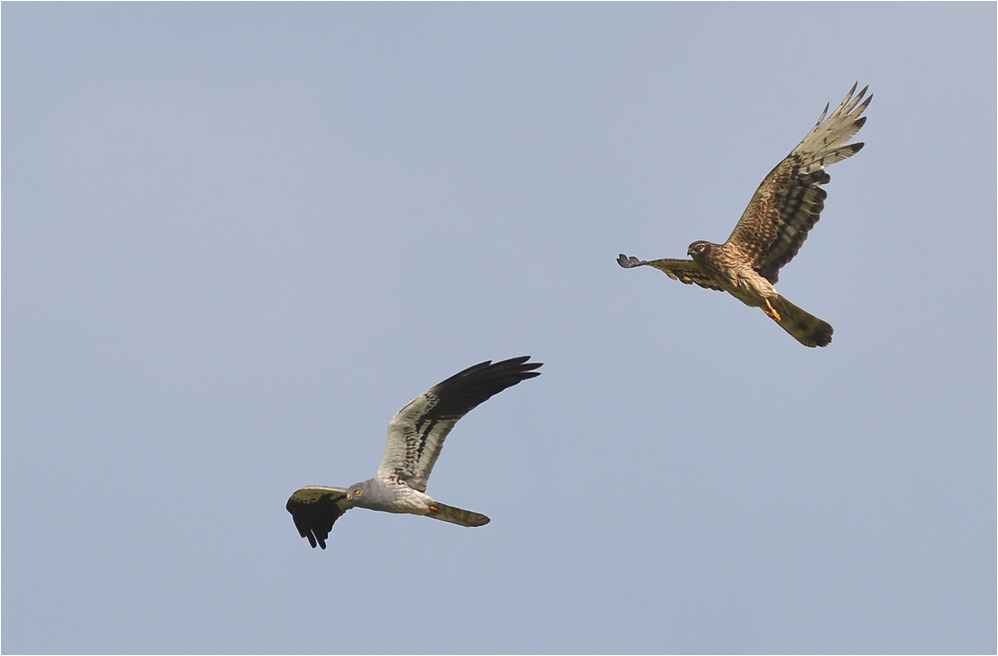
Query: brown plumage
(774, 226)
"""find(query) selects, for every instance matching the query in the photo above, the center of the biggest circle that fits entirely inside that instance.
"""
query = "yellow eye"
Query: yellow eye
(356, 492)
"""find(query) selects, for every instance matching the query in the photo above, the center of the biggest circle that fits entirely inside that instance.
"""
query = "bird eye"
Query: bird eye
(357, 491)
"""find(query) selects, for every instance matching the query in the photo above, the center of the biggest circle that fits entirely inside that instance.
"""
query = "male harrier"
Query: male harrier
(415, 437)
(774, 225)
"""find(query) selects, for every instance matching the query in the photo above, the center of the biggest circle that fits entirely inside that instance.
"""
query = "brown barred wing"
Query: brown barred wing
(789, 201)
(776, 222)
(685, 271)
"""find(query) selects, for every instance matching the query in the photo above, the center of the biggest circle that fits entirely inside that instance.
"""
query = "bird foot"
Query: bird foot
(771, 312)
(433, 509)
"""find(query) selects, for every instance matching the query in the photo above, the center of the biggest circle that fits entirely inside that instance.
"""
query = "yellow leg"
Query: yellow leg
(771, 312)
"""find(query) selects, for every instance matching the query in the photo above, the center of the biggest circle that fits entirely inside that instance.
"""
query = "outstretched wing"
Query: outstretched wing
(789, 201)
(685, 271)
(315, 508)
(416, 433)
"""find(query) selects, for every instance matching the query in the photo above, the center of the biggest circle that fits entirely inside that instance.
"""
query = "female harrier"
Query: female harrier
(415, 437)
(774, 225)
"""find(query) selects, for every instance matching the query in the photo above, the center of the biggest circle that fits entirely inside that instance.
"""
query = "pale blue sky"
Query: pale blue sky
(237, 238)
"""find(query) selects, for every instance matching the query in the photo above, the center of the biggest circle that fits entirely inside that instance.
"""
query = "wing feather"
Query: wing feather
(417, 432)
(685, 271)
(789, 201)
(315, 508)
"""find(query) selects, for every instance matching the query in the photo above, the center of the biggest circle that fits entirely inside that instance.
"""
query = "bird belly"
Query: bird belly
(752, 289)
(401, 500)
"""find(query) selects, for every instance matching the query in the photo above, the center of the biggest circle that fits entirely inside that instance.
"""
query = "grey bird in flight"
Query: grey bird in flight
(415, 438)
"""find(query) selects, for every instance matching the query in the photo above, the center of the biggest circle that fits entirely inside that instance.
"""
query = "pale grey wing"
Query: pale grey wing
(315, 508)
(417, 432)
(789, 201)
(685, 271)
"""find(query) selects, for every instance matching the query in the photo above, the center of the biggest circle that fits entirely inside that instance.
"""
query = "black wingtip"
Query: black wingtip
(514, 369)
(470, 387)
(314, 518)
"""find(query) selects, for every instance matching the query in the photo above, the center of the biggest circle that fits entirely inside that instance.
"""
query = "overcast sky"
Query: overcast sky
(238, 238)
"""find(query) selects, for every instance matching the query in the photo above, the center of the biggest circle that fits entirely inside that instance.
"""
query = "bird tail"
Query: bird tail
(457, 515)
(807, 329)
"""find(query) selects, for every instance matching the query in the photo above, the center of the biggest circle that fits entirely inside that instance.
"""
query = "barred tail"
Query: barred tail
(807, 329)
(458, 516)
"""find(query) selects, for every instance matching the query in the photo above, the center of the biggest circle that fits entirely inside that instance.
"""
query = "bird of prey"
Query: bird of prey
(415, 437)
(774, 225)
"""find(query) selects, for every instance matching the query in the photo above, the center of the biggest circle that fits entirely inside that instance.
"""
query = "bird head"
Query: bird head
(699, 249)
(356, 491)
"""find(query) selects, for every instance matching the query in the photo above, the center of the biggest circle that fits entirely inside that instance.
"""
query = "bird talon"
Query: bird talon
(772, 313)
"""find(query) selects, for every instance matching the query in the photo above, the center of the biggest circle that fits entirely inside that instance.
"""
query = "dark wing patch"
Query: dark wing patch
(685, 271)
(467, 389)
(315, 509)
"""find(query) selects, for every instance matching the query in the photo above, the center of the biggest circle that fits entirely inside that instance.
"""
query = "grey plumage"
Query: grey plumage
(416, 436)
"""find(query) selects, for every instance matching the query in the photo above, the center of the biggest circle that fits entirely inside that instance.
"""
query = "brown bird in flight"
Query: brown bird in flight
(774, 225)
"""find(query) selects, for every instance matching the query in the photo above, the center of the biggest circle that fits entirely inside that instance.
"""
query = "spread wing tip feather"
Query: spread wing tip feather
(314, 509)
(628, 261)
